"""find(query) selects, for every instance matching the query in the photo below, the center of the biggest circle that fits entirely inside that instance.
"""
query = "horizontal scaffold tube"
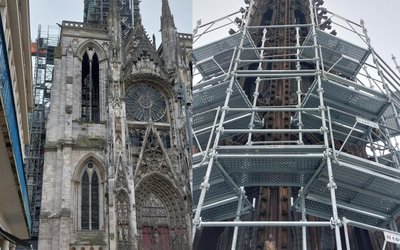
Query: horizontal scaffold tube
(277, 60)
(272, 131)
(280, 47)
(366, 226)
(287, 75)
(266, 224)
(288, 71)
(270, 156)
(274, 109)
(279, 26)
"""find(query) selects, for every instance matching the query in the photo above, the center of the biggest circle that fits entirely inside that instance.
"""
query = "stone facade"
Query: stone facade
(117, 164)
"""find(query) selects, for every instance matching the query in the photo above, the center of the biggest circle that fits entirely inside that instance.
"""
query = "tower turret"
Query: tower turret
(168, 37)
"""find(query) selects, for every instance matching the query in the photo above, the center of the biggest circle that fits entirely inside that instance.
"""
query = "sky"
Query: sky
(51, 12)
(381, 21)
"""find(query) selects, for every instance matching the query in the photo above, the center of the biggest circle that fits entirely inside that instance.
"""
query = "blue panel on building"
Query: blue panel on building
(7, 98)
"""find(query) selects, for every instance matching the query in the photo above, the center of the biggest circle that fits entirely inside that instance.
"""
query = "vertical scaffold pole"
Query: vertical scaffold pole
(346, 234)
(258, 80)
(205, 184)
(393, 227)
(331, 185)
(238, 212)
(303, 218)
(298, 80)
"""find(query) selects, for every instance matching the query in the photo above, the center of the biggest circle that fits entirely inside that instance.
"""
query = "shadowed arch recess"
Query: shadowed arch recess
(167, 193)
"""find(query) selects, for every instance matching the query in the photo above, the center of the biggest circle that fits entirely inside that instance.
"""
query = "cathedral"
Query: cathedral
(117, 159)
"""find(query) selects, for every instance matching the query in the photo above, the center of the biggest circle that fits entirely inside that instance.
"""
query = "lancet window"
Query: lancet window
(90, 103)
(90, 186)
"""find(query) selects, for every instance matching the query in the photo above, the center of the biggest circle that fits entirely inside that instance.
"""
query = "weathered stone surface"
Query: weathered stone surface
(116, 182)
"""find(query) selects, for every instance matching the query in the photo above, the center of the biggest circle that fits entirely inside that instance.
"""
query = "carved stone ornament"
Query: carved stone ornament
(153, 155)
(121, 181)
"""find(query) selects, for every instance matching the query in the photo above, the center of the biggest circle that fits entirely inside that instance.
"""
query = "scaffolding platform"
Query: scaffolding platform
(391, 120)
(270, 165)
(350, 103)
(337, 54)
(215, 58)
(367, 191)
(387, 160)
(223, 212)
(221, 200)
(210, 95)
(332, 184)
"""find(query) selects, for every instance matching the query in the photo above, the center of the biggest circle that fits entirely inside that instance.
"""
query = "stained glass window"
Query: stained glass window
(144, 102)
(85, 201)
(90, 198)
(95, 201)
(90, 108)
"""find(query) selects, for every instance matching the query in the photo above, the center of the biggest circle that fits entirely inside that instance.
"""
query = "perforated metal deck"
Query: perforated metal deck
(221, 199)
(345, 57)
(271, 166)
(367, 192)
(215, 58)
(207, 97)
(264, 166)
(223, 212)
(348, 101)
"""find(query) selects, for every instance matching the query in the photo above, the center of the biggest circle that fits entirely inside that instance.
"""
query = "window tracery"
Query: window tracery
(90, 101)
(136, 136)
(144, 103)
(90, 195)
(165, 138)
(154, 211)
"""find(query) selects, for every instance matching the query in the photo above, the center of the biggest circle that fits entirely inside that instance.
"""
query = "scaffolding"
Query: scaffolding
(42, 52)
(96, 12)
(349, 101)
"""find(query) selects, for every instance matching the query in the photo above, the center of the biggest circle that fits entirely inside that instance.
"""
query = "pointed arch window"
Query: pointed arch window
(90, 209)
(85, 201)
(95, 201)
(136, 137)
(166, 139)
(90, 103)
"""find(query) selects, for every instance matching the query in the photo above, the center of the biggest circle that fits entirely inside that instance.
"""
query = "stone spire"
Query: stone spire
(167, 19)
(136, 13)
(168, 37)
(114, 31)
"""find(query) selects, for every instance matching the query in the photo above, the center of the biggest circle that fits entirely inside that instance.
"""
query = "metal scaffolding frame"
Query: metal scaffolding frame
(42, 52)
(345, 103)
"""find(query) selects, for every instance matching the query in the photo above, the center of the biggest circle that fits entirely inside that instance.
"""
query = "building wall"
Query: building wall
(136, 171)
(16, 102)
(70, 142)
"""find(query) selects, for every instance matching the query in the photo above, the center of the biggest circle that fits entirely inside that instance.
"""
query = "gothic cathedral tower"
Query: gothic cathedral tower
(117, 159)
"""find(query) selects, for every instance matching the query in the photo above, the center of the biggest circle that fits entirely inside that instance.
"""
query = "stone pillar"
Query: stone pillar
(5, 245)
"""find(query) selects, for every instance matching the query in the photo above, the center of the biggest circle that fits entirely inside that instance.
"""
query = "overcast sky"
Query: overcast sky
(381, 20)
(50, 12)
